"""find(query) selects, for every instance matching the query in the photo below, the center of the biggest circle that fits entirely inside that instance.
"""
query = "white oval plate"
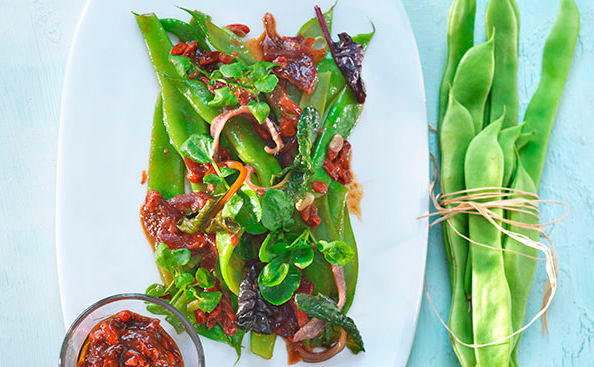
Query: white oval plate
(107, 106)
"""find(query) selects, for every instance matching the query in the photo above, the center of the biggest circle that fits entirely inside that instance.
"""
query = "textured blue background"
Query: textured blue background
(35, 39)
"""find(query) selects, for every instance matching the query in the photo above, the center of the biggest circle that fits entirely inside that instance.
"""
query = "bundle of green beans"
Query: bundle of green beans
(484, 144)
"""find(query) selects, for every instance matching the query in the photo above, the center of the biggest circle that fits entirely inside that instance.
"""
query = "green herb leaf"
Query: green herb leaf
(182, 256)
(225, 171)
(205, 301)
(223, 97)
(183, 280)
(156, 290)
(325, 309)
(277, 209)
(199, 147)
(204, 278)
(336, 252)
(234, 70)
(183, 65)
(251, 212)
(232, 206)
(260, 110)
(261, 69)
(307, 132)
(273, 273)
(168, 259)
(265, 254)
(303, 257)
(266, 84)
(282, 292)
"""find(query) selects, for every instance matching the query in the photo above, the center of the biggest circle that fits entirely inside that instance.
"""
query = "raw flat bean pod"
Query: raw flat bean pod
(457, 131)
(198, 95)
(460, 39)
(250, 149)
(166, 167)
(516, 10)
(473, 80)
(507, 140)
(503, 28)
(182, 30)
(491, 298)
(221, 39)
(262, 344)
(556, 61)
(519, 270)
(180, 118)
(317, 98)
(342, 117)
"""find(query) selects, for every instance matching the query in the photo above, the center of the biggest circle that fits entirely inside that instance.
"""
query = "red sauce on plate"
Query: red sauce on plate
(128, 339)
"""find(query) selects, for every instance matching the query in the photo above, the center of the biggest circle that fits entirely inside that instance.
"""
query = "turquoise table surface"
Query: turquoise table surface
(36, 35)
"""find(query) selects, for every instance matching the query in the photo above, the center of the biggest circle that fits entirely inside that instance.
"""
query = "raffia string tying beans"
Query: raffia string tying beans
(472, 202)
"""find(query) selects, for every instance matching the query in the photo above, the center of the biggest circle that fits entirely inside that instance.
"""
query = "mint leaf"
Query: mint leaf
(260, 110)
(199, 147)
(223, 97)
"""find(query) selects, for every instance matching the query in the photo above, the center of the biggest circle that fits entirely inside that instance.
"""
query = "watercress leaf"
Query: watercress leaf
(234, 70)
(223, 97)
(214, 76)
(260, 110)
(303, 257)
(282, 292)
(199, 147)
(273, 273)
(204, 278)
(280, 247)
(336, 252)
(212, 179)
(265, 254)
(261, 69)
(156, 290)
(182, 64)
(183, 280)
(266, 84)
(277, 209)
(251, 212)
(164, 258)
(232, 206)
(225, 171)
(205, 301)
(182, 256)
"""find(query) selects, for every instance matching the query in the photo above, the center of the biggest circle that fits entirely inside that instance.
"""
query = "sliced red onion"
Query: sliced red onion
(261, 190)
(324, 355)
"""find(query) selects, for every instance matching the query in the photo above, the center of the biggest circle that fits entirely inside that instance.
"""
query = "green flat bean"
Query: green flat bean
(459, 40)
(457, 131)
(540, 115)
(317, 98)
(507, 140)
(166, 168)
(491, 298)
(182, 30)
(473, 80)
(519, 270)
(503, 28)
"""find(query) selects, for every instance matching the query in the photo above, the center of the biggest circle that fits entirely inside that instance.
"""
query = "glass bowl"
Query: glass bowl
(187, 341)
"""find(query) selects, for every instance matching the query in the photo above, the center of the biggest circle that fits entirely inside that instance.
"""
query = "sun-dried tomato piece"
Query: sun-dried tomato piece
(300, 65)
(240, 30)
(320, 187)
(338, 164)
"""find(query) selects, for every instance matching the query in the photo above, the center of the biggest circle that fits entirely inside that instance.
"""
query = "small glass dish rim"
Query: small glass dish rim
(131, 296)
